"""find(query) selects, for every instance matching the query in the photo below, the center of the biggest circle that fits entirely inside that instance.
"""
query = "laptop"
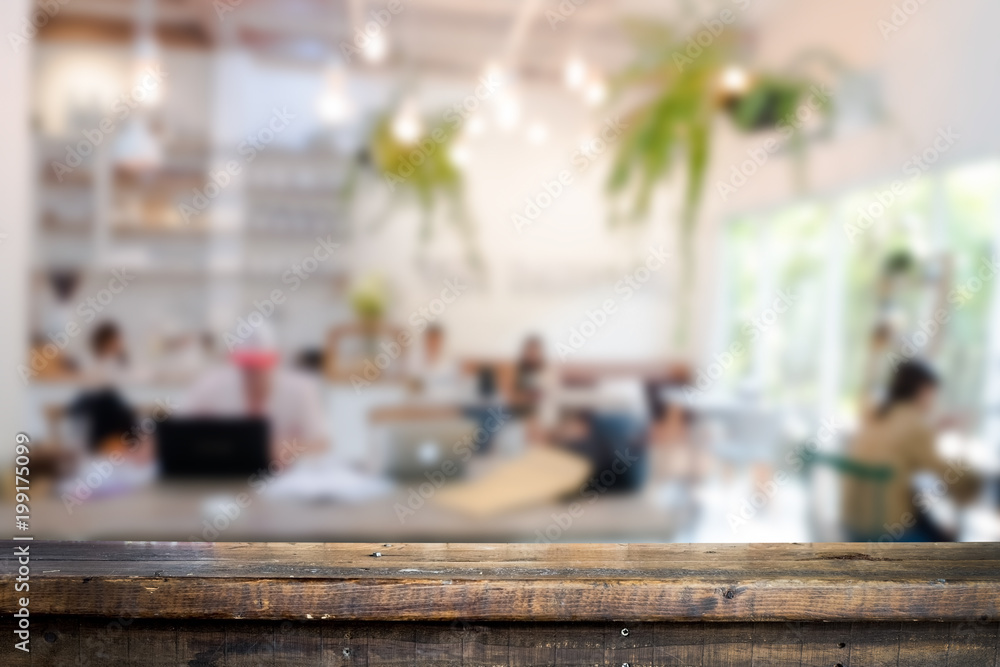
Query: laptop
(212, 446)
(437, 448)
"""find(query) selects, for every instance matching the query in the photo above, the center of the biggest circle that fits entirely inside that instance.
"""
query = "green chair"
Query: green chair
(876, 475)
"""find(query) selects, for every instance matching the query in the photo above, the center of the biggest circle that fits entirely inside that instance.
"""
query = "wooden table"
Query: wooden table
(169, 512)
(110, 603)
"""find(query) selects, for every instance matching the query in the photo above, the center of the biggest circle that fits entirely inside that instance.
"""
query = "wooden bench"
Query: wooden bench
(112, 603)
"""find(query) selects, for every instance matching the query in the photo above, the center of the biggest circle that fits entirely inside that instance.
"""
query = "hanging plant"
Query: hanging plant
(679, 94)
(421, 170)
(770, 101)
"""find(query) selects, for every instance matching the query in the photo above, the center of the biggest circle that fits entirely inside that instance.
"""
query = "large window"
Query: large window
(852, 284)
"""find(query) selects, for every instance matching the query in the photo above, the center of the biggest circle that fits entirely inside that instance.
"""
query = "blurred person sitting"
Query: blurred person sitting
(607, 424)
(253, 384)
(107, 426)
(110, 364)
(534, 381)
(436, 374)
(900, 437)
(100, 411)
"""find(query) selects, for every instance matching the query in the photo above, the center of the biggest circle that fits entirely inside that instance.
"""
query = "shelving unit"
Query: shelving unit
(191, 277)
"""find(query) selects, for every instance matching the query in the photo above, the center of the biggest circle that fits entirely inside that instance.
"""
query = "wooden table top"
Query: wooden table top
(168, 512)
(512, 582)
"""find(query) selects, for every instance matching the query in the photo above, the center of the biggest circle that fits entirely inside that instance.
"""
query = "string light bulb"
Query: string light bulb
(575, 73)
(406, 126)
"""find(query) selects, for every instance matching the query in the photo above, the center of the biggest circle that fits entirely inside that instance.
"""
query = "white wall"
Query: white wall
(15, 226)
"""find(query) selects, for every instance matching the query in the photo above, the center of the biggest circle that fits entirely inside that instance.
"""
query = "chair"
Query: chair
(877, 476)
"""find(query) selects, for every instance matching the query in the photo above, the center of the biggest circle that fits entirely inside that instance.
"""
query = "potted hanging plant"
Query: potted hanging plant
(678, 97)
(415, 160)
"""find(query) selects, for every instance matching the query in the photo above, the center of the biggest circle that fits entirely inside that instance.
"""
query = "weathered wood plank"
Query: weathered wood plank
(678, 644)
(535, 643)
(524, 604)
(152, 643)
(105, 640)
(925, 646)
(776, 645)
(54, 641)
(342, 643)
(523, 582)
(486, 645)
(358, 554)
(438, 644)
(392, 644)
(728, 645)
(823, 644)
(714, 599)
(661, 644)
(630, 643)
(249, 644)
(875, 644)
(203, 645)
(298, 643)
(581, 644)
(973, 642)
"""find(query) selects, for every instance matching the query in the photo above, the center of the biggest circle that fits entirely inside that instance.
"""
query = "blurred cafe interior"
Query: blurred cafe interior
(504, 270)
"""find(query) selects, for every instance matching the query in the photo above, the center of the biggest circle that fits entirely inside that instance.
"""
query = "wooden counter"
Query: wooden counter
(509, 604)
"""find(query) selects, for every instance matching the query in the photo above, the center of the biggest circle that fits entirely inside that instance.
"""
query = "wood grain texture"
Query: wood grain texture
(516, 582)
(86, 642)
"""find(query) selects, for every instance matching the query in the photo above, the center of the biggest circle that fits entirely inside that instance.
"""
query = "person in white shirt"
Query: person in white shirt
(253, 384)
(437, 374)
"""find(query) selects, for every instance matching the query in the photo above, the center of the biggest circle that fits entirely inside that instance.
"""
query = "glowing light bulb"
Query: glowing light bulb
(595, 93)
(376, 48)
(508, 112)
(575, 73)
(335, 105)
(406, 126)
(734, 79)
